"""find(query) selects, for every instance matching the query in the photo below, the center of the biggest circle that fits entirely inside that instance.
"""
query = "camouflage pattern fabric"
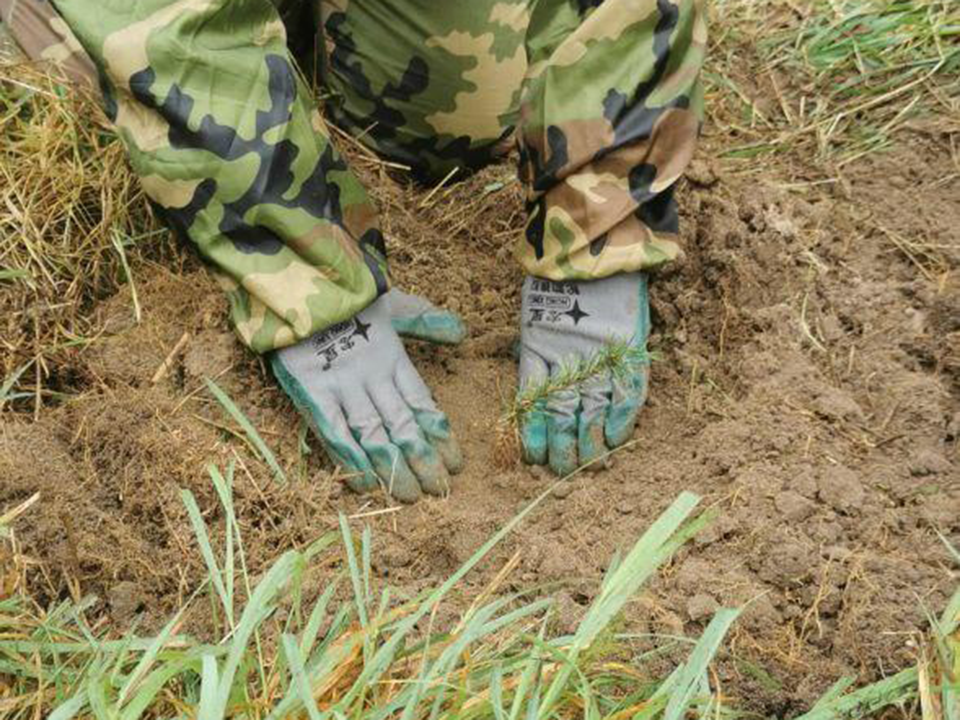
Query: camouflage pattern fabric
(611, 112)
(224, 133)
(229, 146)
(433, 85)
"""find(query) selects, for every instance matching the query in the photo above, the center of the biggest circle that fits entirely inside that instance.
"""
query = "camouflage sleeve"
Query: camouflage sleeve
(228, 145)
(610, 115)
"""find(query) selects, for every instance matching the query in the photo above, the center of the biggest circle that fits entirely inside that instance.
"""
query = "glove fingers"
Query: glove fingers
(533, 423)
(416, 317)
(367, 427)
(326, 418)
(562, 431)
(595, 396)
(345, 452)
(629, 394)
(561, 412)
(433, 423)
(630, 391)
(405, 433)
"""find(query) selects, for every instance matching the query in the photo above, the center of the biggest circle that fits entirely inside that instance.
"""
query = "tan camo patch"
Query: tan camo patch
(286, 291)
(331, 7)
(360, 217)
(515, 17)
(608, 201)
(477, 111)
(630, 246)
(583, 139)
(700, 32)
(607, 22)
(317, 243)
(248, 328)
(590, 184)
(671, 146)
(169, 193)
(62, 52)
(268, 32)
(226, 283)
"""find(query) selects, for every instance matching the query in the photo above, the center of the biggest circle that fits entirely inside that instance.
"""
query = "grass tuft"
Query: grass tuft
(847, 74)
(74, 223)
(357, 657)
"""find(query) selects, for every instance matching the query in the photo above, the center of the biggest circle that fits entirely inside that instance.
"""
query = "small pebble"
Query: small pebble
(563, 489)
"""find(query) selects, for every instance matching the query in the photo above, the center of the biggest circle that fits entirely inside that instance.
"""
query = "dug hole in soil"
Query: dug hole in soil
(807, 386)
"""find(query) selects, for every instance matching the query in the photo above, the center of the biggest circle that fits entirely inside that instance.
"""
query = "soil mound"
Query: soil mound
(807, 386)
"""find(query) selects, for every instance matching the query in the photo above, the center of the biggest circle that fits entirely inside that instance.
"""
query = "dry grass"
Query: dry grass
(826, 82)
(73, 221)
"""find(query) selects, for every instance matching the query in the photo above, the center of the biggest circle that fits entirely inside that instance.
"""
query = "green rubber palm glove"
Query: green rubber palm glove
(376, 417)
(563, 323)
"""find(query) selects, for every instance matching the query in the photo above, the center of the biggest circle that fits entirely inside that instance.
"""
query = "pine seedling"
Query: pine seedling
(618, 358)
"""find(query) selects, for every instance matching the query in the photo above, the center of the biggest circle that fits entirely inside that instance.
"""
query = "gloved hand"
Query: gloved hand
(563, 323)
(359, 391)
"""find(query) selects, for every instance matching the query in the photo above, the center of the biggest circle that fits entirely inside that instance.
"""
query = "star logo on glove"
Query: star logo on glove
(576, 313)
(338, 339)
(361, 329)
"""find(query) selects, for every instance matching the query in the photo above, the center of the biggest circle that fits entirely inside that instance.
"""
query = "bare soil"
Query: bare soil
(809, 387)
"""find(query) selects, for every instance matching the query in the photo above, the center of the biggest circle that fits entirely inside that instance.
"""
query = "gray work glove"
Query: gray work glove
(361, 394)
(566, 322)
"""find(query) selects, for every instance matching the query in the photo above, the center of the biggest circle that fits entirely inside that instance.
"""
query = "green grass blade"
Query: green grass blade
(210, 707)
(330, 658)
(70, 709)
(496, 693)
(653, 548)
(118, 245)
(99, 700)
(867, 700)
(359, 595)
(10, 382)
(259, 607)
(149, 657)
(379, 663)
(206, 550)
(656, 545)
(122, 657)
(299, 676)
(950, 619)
(225, 492)
(15, 274)
(528, 679)
(366, 543)
(170, 668)
(696, 666)
(251, 432)
(309, 636)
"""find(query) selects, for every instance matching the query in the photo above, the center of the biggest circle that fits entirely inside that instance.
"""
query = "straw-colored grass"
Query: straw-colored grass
(830, 81)
(72, 221)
